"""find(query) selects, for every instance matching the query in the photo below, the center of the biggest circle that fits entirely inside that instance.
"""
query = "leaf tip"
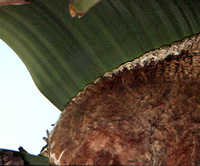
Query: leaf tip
(73, 12)
(79, 8)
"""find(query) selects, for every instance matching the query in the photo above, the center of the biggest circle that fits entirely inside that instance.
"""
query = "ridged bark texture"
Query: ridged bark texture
(145, 115)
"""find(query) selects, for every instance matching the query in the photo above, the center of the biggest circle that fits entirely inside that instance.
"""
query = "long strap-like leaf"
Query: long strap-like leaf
(64, 54)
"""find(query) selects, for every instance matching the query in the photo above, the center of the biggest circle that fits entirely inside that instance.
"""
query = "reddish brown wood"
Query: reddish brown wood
(143, 116)
(8, 157)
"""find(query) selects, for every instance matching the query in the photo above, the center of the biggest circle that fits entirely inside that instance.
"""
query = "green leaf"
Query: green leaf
(64, 54)
(35, 160)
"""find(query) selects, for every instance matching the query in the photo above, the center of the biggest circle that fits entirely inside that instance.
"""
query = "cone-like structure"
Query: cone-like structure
(146, 112)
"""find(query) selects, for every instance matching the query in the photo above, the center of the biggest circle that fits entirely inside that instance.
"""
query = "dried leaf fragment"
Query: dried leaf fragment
(80, 7)
(45, 150)
(13, 2)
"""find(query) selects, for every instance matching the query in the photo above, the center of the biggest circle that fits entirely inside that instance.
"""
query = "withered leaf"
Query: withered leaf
(80, 7)
(13, 2)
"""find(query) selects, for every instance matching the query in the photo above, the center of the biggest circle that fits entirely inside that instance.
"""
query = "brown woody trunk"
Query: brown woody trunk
(146, 112)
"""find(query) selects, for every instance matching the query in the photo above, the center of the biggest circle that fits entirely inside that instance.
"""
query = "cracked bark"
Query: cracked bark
(146, 115)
